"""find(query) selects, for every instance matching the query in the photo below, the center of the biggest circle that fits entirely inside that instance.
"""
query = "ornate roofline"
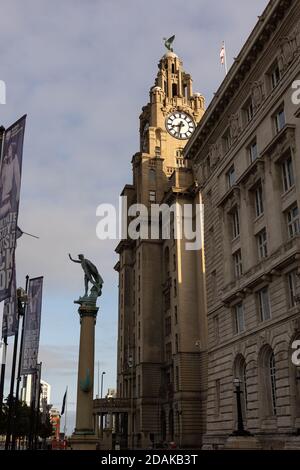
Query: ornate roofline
(266, 25)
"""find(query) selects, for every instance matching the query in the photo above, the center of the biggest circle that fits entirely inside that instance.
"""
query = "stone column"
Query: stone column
(85, 435)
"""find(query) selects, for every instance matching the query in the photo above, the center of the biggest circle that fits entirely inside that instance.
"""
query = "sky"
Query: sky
(82, 71)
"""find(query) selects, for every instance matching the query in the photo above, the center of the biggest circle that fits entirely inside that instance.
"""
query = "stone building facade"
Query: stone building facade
(162, 323)
(246, 158)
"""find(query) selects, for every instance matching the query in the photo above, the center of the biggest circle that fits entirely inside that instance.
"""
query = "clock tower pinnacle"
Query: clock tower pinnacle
(169, 119)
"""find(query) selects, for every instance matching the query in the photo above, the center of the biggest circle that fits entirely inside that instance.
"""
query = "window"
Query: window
(175, 288)
(216, 327)
(239, 320)
(275, 76)
(279, 119)
(293, 221)
(273, 382)
(235, 220)
(177, 378)
(249, 110)
(287, 173)
(230, 177)
(157, 151)
(174, 262)
(253, 151)
(237, 261)
(176, 344)
(264, 304)
(178, 153)
(292, 288)
(262, 244)
(168, 352)
(176, 314)
(259, 205)
(152, 196)
(168, 326)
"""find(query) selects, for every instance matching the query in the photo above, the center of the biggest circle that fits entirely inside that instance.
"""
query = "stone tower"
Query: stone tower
(162, 325)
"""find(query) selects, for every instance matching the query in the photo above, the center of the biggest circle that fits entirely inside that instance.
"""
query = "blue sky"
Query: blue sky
(82, 71)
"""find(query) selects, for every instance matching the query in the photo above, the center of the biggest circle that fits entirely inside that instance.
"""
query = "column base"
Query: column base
(249, 442)
(84, 441)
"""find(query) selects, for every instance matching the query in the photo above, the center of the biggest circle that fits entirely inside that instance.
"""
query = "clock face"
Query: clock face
(180, 125)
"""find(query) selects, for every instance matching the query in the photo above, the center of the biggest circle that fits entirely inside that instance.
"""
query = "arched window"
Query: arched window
(267, 382)
(174, 89)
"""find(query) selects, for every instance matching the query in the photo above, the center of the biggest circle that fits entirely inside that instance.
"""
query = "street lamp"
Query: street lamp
(240, 431)
(102, 383)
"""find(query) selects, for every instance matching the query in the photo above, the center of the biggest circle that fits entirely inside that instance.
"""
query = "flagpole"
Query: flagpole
(66, 412)
(225, 59)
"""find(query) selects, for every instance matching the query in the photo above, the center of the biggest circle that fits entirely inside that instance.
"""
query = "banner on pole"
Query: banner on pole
(10, 311)
(10, 186)
(32, 327)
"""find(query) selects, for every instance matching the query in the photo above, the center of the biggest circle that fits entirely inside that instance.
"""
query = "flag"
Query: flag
(64, 402)
(222, 53)
(10, 310)
(10, 185)
(32, 327)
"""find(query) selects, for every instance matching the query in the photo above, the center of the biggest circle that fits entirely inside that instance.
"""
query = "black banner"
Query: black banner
(10, 185)
(10, 311)
(32, 327)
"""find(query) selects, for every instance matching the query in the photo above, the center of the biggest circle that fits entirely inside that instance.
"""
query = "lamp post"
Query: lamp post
(240, 431)
(102, 383)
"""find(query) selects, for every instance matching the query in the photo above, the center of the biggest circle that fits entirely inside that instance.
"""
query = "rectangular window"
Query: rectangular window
(176, 344)
(253, 151)
(216, 328)
(237, 262)
(168, 326)
(279, 119)
(175, 315)
(175, 288)
(177, 378)
(275, 76)
(239, 319)
(259, 205)
(264, 304)
(293, 221)
(287, 174)
(230, 177)
(152, 196)
(235, 221)
(262, 244)
(292, 288)
(168, 352)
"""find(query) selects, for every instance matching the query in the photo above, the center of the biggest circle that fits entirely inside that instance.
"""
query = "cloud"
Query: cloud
(82, 72)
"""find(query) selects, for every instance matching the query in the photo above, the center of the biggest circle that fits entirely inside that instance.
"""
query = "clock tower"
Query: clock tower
(162, 336)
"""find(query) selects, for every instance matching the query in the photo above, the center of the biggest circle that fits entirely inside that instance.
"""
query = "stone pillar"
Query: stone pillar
(85, 435)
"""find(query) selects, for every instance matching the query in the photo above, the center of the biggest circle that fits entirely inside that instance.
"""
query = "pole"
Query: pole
(102, 383)
(66, 411)
(22, 341)
(22, 311)
(225, 59)
(3, 364)
(98, 378)
(240, 431)
(11, 392)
